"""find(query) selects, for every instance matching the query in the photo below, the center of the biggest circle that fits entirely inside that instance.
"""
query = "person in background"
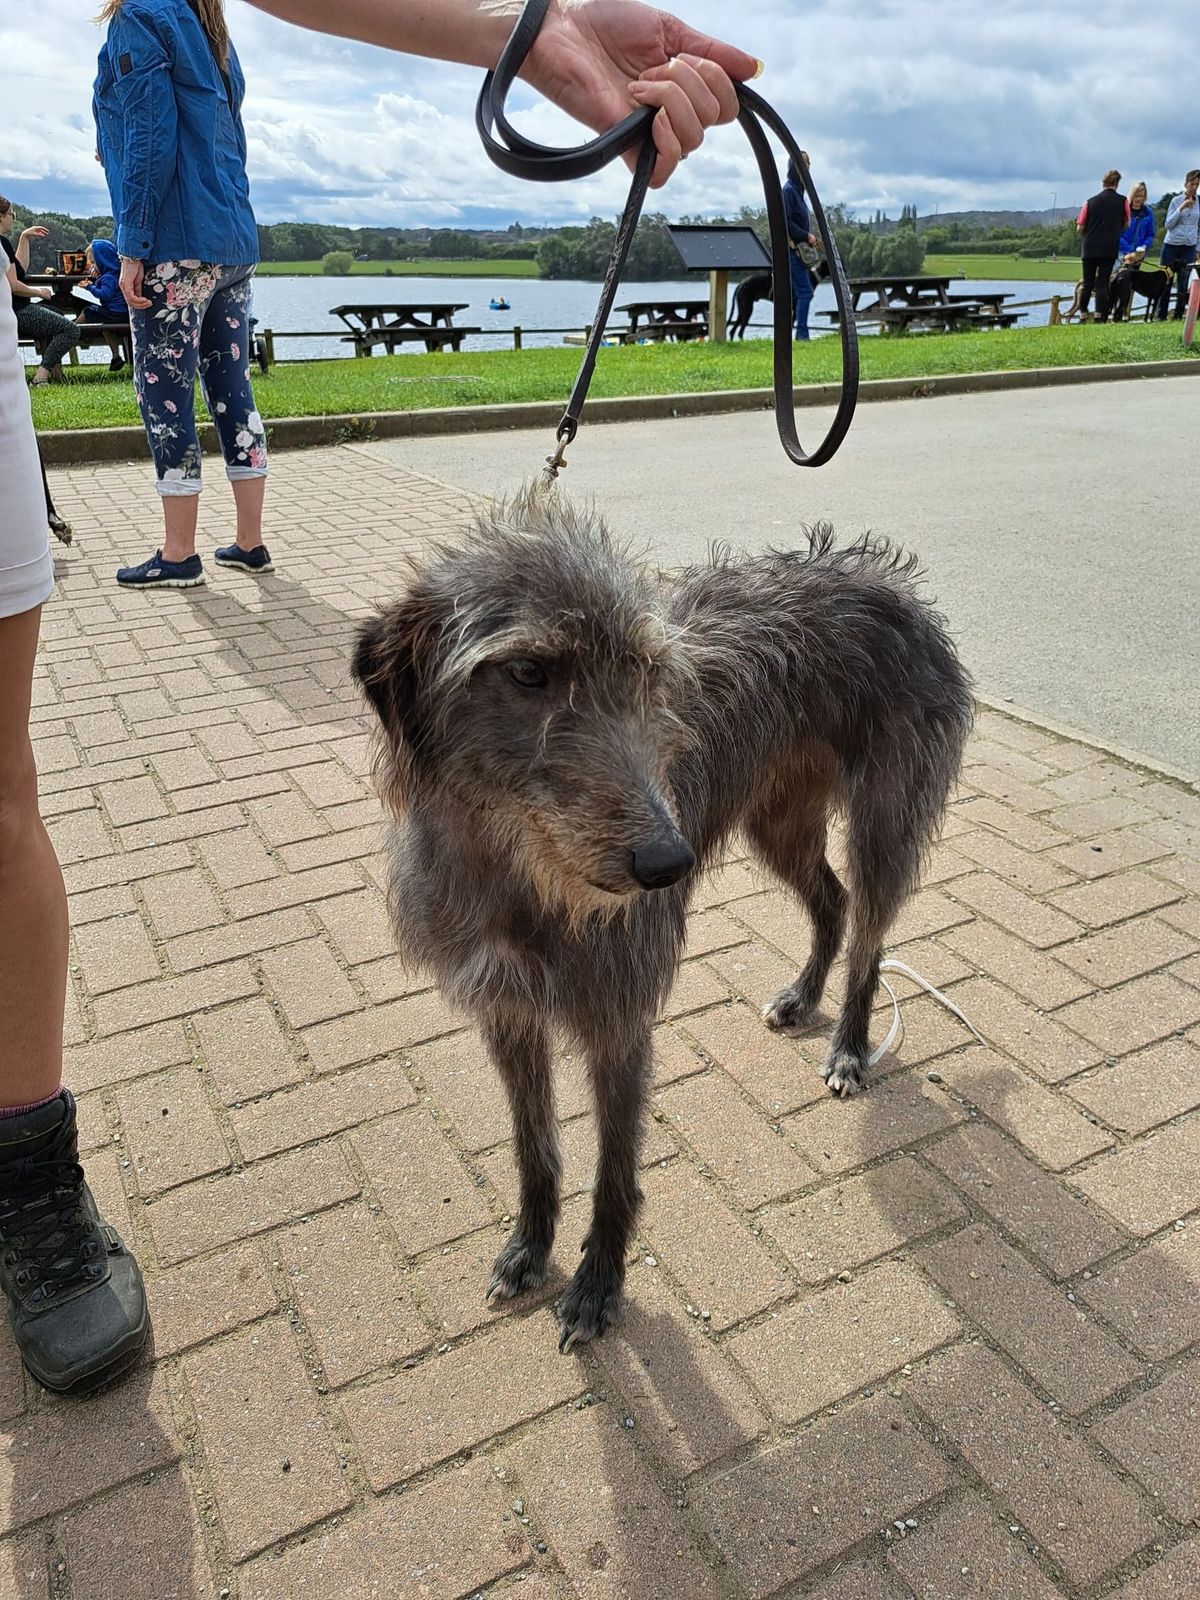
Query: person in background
(167, 104)
(104, 284)
(1101, 221)
(1131, 251)
(1179, 243)
(57, 334)
(1139, 230)
(801, 241)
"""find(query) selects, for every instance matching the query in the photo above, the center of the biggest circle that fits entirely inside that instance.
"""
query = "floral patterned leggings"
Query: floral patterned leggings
(197, 324)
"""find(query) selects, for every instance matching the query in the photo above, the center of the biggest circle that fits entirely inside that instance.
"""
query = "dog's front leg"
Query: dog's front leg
(520, 1049)
(620, 1075)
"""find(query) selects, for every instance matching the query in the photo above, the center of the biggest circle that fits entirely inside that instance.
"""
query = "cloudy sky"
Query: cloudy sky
(985, 103)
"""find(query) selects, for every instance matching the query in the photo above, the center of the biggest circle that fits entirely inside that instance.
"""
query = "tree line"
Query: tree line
(868, 248)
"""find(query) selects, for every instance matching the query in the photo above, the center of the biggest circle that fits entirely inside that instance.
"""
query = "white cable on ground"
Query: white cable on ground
(896, 1032)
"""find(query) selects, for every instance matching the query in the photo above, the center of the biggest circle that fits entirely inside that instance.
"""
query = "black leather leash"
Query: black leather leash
(524, 158)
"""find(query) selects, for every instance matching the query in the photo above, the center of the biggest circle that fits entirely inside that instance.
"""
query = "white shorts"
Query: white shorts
(26, 571)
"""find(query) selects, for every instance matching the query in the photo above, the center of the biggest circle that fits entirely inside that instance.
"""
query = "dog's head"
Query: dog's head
(526, 682)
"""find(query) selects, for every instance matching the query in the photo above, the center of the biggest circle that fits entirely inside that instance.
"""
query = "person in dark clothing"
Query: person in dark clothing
(1101, 221)
(55, 334)
(800, 237)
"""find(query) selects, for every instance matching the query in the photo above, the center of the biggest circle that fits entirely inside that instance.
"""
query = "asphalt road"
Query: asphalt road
(1060, 527)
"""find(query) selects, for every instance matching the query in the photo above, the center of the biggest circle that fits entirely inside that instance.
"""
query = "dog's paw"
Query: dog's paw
(790, 1012)
(845, 1072)
(519, 1267)
(590, 1304)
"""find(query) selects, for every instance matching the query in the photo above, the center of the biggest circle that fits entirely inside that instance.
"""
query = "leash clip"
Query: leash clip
(564, 435)
(556, 462)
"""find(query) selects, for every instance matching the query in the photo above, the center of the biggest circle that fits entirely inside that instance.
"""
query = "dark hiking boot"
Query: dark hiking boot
(74, 1292)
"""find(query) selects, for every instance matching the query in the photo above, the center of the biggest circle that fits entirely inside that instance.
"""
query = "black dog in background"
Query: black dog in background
(758, 286)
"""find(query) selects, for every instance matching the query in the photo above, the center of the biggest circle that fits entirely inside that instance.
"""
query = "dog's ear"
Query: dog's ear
(385, 666)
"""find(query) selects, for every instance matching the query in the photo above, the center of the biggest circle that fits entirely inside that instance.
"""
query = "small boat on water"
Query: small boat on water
(499, 305)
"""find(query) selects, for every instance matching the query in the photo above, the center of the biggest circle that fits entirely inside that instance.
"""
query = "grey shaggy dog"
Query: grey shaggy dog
(569, 739)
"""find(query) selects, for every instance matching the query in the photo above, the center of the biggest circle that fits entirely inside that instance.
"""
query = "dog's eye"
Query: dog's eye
(529, 674)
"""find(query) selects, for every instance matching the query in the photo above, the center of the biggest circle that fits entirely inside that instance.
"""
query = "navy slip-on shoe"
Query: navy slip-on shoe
(159, 574)
(256, 560)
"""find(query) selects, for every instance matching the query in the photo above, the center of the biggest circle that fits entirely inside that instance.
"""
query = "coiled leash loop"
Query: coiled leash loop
(523, 158)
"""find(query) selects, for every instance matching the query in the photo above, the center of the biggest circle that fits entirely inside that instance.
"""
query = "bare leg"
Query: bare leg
(180, 512)
(521, 1054)
(620, 1075)
(248, 495)
(33, 903)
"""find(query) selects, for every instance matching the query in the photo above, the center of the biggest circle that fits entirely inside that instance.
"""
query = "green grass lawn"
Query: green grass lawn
(1017, 269)
(92, 399)
(406, 269)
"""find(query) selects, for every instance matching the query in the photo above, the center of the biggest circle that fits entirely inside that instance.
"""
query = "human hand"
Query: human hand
(42, 291)
(812, 239)
(35, 233)
(600, 59)
(132, 273)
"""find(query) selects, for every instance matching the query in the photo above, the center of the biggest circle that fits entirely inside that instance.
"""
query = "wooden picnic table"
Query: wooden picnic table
(898, 290)
(950, 318)
(663, 319)
(390, 323)
(66, 304)
(900, 303)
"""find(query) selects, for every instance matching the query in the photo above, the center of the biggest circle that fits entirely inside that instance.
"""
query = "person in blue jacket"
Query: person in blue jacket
(1139, 230)
(167, 103)
(800, 235)
(104, 285)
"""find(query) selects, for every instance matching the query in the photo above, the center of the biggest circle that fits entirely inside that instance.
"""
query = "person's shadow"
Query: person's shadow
(93, 1493)
(288, 646)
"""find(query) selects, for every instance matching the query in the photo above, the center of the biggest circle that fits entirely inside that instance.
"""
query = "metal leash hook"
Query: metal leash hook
(563, 436)
(523, 158)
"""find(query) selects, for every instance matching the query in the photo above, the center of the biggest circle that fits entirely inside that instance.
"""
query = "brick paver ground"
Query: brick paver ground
(936, 1342)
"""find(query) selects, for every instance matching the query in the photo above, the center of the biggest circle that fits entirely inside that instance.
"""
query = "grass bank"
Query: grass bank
(1004, 268)
(404, 269)
(92, 399)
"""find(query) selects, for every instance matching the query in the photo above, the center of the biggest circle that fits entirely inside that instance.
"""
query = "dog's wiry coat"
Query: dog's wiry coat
(569, 739)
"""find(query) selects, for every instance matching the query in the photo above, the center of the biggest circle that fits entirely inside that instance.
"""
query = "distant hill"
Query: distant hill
(1018, 221)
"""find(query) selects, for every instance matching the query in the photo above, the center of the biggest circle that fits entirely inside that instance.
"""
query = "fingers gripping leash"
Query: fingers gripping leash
(524, 158)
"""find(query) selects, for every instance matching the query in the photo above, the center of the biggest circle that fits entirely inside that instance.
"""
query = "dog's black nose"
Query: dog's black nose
(663, 861)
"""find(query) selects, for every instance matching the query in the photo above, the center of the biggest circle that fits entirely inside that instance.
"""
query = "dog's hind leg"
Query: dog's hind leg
(788, 830)
(884, 855)
(620, 1076)
(520, 1050)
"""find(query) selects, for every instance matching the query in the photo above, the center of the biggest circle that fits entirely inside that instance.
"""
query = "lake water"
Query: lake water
(302, 304)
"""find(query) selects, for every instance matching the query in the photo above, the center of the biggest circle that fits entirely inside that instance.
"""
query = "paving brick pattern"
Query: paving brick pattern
(939, 1341)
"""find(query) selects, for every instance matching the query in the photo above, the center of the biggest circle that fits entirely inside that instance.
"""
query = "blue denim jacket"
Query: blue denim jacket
(170, 137)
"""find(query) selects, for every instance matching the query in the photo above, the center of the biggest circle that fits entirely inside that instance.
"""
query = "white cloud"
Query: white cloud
(1000, 104)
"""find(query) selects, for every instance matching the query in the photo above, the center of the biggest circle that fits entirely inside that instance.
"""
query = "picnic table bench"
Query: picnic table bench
(389, 324)
(663, 319)
(900, 303)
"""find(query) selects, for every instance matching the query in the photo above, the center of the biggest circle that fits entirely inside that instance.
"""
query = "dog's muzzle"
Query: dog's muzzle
(662, 861)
